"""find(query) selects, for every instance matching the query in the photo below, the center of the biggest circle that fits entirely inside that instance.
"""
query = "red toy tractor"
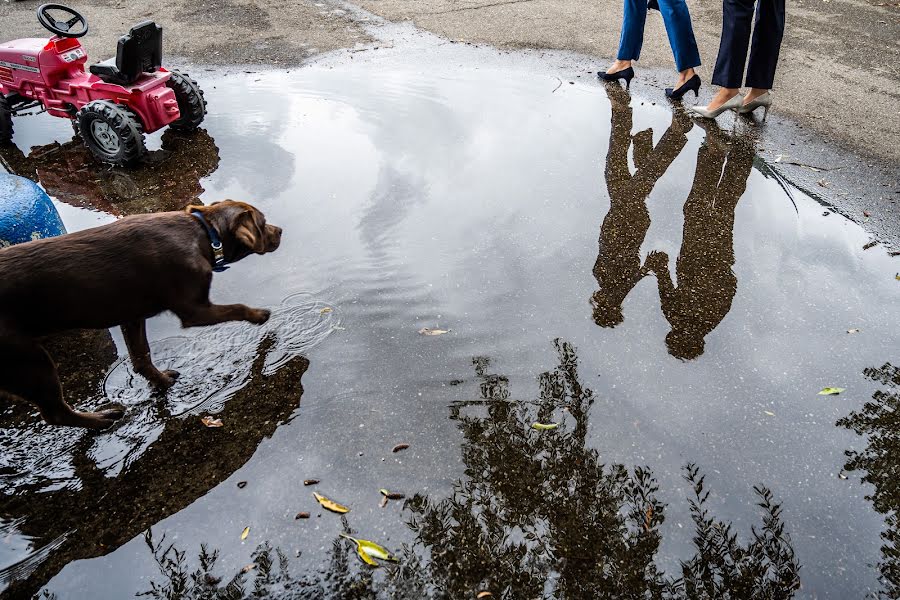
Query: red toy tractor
(114, 104)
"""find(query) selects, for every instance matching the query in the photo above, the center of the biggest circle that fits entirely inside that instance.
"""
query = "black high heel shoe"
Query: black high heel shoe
(626, 74)
(691, 84)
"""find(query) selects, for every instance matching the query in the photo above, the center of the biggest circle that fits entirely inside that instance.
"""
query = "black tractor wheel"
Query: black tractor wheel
(6, 128)
(191, 103)
(111, 132)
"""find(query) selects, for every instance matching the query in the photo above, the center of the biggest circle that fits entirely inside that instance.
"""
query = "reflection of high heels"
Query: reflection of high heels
(765, 100)
(732, 104)
(626, 74)
(691, 84)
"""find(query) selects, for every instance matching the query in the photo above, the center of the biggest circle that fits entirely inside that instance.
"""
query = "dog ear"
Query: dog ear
(249, 231)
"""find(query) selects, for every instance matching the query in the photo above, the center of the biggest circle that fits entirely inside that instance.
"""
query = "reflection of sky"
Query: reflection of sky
(473, 200)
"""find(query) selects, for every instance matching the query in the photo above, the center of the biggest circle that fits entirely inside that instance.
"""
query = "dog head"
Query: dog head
(242, 227)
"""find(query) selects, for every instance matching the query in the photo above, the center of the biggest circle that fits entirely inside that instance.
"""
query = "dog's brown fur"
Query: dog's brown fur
(118, 274)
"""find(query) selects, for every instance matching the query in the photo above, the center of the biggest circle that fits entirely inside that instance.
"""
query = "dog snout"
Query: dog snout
(274, 237)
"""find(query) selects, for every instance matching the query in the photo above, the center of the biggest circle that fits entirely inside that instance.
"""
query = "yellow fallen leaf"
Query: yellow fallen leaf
(831, 391)
(368, 551)
(326, 310)
(544, 426)
(245, 533)
(330, 504)
(211, 422)
(769, 412)
(429, 331)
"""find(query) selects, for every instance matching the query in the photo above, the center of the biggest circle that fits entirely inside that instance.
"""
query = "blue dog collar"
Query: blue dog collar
(215, 242)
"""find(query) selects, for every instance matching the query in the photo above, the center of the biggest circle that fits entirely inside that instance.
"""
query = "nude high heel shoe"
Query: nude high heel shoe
(765, 101)
(733, 104)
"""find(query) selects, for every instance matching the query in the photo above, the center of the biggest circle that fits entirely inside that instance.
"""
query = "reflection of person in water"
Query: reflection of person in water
(167, 179)
(706, 282)
(103, 513)
(618, 266)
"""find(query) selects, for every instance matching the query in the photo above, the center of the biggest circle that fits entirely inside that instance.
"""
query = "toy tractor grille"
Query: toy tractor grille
(6, 74)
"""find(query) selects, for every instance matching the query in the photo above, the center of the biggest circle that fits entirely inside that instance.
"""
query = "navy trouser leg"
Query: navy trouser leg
(677, 19)
(767, 34)
(632, 30)
(737, 16)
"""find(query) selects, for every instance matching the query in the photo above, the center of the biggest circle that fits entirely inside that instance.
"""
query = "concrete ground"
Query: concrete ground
(209, 31)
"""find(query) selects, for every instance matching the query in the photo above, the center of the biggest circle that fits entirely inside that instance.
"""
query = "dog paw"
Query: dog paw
(258, 316)
(165, 380)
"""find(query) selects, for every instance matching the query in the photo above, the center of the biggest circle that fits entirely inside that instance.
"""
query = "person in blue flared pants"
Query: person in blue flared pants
(677, 20)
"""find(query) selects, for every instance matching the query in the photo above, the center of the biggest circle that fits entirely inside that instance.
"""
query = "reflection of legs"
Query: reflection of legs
(767, 33)
(28, 372)
(677, 19)
(139, 350)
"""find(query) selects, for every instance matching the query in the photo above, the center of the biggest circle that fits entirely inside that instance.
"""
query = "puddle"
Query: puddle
(650, 285)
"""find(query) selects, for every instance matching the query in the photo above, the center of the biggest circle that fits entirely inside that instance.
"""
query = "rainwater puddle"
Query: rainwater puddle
(647, 283)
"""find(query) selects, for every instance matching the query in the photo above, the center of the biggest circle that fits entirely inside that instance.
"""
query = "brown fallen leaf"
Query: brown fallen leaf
(310, 481)
(429, 331)
(383, 503)
(248, 568)
(484, 595)
(245, 533)
(866, 214)
(301, 515)
(399, 447)
(330, 504)
(242, 485)
(853, 331)
(871, 244)
(391, 495)
(211, 422)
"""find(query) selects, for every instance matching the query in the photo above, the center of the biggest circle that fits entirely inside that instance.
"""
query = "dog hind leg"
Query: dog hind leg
(28, 372)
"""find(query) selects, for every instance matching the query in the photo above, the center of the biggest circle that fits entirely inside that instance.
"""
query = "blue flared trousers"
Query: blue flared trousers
(677, 19)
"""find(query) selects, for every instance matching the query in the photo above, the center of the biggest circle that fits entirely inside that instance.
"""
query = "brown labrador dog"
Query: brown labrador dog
(118, 274)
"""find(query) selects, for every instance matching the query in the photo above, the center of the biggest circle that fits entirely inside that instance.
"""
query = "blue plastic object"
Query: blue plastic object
(26, 212)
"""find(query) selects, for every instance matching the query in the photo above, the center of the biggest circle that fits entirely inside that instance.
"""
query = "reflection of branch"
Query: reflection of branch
(879, 421)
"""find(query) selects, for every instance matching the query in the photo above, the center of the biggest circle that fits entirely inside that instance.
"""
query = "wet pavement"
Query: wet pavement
(650, 285)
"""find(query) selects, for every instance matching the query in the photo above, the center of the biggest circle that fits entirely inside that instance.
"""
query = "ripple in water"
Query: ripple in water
(215, 363)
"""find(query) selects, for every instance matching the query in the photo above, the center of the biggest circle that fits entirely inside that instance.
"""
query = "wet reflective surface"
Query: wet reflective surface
(601, 263)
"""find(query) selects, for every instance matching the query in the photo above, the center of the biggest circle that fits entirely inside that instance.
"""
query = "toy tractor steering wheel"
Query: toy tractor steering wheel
(62, 28)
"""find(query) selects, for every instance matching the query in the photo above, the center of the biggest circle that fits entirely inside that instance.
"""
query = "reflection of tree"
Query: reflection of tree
(538, 515)
(706, 283)
(167, 179)
(618, 266)
(880, 464)
(106, 512)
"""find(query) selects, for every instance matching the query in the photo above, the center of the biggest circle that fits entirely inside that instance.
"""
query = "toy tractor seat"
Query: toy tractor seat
(139, 51)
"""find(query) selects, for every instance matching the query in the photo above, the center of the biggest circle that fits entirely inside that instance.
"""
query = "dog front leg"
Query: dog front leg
(135, 334)
(211, 314)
